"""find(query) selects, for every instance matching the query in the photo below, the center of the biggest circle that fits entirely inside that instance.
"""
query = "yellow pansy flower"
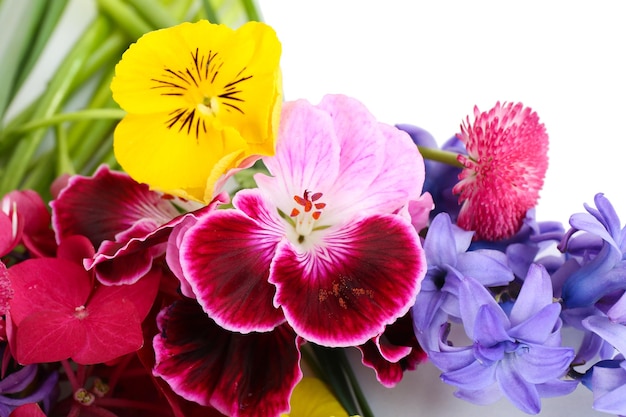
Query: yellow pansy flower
(201, 99)
(311, 398)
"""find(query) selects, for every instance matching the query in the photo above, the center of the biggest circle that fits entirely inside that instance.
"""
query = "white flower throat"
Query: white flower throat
(306, 214)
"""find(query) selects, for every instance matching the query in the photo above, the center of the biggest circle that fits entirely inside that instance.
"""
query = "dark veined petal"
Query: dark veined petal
(130, 256)
(106, 204)
(346, 289)
(226, 258)
(240, 375)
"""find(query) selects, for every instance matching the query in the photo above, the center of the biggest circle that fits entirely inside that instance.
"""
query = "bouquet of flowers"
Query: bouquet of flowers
(190, 244)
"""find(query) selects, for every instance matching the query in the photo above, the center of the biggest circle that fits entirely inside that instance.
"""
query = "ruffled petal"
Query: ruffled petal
(360, 278)
(106, 204)
(393, 352)
(226, 259)
(240, 375)
(131, 255)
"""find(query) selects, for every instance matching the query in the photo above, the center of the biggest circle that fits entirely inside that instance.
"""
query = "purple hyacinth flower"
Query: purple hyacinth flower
(607, 379)
(602, 271)
(14, 385)
(448, 262)
(518, 355)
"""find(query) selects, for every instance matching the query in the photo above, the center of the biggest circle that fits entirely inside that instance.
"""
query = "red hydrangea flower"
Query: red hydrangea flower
(58, 311)
(504, 169)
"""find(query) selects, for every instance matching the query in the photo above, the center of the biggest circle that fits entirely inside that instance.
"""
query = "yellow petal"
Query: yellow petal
(198, 83)
(173, 163)
(311, 398)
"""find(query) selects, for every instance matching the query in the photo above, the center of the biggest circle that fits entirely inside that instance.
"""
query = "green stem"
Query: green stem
(335, 377)
(20, 20)
(311, 361)
(127, 19)
(209, 11)
(439, 155)
(59, 118)
(91, 152)
(52, 15)
(252, 11)
(154, 13)
(366, 411)
(64, 162)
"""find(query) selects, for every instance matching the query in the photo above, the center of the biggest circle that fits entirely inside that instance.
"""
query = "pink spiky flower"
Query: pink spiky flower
(504, 169)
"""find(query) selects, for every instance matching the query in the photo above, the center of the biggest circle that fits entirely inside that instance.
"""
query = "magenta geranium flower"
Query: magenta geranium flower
(504, 170)
(320, 243)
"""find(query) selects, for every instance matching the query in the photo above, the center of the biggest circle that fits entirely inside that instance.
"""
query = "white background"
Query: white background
(428, 63)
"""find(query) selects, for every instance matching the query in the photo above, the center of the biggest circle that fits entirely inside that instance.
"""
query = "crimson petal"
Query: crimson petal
(240, 375)
(106, 204)
(362, 277)
(226, 258)
(56, 315)
(393, 352)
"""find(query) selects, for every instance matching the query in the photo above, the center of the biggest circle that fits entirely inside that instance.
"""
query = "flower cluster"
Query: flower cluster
(247, 235)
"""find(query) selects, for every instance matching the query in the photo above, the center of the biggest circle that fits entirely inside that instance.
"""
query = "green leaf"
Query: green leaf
(51, 17)
(20, 19)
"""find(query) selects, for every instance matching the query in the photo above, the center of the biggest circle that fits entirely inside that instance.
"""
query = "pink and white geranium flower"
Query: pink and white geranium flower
(322, 243)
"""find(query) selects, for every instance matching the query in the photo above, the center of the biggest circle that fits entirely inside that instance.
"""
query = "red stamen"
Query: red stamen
(316, 215)
(294, 212)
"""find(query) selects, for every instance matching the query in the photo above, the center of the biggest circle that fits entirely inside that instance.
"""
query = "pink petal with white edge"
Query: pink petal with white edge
(358, 279)
(307, 155)
(240, 375)
(226, 257)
